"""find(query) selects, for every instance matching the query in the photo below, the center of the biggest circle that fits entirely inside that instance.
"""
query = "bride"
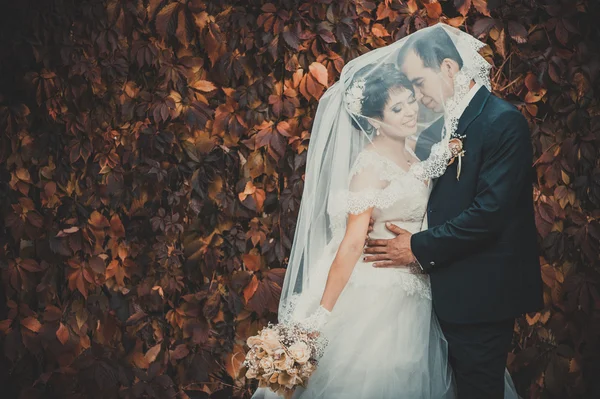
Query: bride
(384, 339)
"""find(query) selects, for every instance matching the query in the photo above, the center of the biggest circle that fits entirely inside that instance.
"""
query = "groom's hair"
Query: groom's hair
(432, 46)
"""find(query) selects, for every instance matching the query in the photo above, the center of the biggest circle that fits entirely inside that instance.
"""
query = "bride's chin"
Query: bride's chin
(405, 133)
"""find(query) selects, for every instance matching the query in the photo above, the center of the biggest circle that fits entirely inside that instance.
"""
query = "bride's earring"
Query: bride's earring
(377, 132)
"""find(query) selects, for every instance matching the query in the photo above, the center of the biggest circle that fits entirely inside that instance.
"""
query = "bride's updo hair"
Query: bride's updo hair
(379, 81)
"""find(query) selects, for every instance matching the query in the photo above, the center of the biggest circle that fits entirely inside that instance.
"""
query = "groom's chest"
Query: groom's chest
(454, 190)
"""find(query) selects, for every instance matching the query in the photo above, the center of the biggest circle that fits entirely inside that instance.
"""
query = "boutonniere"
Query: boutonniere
(457, 151)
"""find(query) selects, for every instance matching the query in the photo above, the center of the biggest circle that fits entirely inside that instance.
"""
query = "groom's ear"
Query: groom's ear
(449, 67)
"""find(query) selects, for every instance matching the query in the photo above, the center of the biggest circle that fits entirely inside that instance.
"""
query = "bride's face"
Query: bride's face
(400, 113)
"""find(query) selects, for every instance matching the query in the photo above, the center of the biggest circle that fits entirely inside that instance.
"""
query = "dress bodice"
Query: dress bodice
(397, 196)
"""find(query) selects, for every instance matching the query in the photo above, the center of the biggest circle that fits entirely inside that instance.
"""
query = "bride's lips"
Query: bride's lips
(412, 123)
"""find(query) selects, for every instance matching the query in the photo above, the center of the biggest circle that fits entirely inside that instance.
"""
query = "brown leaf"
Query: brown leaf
(31, 323)
(204, 85)
(164, 16)
(180, 352)
(482, 7)
(30, 265)
(319, 72)
(234, 361)
(252, 261)
(482, 27)
(517, 32)
(379, 30)
(62, 334)
(250, 289)
(462, 6)
(153, 353)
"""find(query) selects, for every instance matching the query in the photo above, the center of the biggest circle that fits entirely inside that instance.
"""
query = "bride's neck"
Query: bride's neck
(390, 142)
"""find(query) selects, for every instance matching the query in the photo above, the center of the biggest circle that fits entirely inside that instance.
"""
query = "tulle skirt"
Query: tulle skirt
(383, 343)
(384, 339)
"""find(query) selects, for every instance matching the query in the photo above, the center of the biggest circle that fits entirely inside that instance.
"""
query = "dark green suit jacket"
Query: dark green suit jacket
(480, 249)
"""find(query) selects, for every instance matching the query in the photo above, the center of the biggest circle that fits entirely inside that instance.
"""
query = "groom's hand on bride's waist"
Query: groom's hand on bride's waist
(395, 252)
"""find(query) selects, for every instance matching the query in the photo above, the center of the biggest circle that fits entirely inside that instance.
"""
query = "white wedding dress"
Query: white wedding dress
(384, 340)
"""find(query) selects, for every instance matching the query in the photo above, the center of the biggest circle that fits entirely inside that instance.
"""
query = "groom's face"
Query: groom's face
(431, 86)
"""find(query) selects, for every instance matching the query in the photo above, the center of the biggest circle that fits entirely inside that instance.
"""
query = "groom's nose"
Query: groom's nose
(418, 95)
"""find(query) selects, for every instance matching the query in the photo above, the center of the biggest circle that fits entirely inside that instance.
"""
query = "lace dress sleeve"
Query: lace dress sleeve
(367, 182)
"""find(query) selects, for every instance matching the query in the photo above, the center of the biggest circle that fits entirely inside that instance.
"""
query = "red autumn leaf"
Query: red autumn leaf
(482, 27)
(482, 7)
(234, 361)
(517, 32)
(251, 288)
(180, 352)
(152, 353)
(31, 323)
(116, 226)
(62, 334)
(379, 30)
(30, 265)
(319, 72)
(251, 261)
(204, 85)
(462, 6)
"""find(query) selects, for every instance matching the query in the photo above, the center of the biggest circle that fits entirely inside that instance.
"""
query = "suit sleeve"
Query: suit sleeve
(505, 172)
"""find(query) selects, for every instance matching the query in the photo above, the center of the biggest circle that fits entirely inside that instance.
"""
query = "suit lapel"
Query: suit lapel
(473, 109)
(471, 113)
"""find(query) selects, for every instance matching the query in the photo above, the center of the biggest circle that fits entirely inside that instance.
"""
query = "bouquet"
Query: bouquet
(283, 356)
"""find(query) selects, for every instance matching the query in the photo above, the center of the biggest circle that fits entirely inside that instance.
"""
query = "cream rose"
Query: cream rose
(254, 341)
(260, 352)
(274, 377)
(289, 380)
(269, 334)
(307, 369)
(270, 341)
(300, 352)
(251, 373)
(266, 363)
(284, 362)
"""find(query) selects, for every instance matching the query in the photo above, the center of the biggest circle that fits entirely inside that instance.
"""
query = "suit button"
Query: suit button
(431, 210)
(432, 263)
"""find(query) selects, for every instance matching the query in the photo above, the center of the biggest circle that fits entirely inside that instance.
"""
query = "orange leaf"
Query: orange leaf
(23, 174)
(180, 352)
(379, 30)
(248, 190)
(434, 10)
(31, 323)
(319, 71)
(534, 97)
(462, 6)
(152, 353)
(250, 288)
(251, 261)
(30, 265)
(204, 85)
(140, 360)
(412, 6)
(482, 7)
(98, 220)
(116, 226)
(234, 360)
(62, 334)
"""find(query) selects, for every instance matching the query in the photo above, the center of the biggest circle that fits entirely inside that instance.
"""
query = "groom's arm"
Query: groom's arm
(505, 171)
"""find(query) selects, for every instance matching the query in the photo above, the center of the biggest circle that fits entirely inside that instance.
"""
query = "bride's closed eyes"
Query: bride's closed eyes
(399, 106)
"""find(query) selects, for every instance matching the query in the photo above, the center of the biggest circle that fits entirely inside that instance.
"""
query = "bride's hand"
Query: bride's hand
(316, 320)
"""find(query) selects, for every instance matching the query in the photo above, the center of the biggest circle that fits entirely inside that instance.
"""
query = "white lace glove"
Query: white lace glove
(316, 320)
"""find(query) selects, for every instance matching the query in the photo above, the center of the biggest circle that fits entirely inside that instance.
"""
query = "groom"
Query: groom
(480, 247)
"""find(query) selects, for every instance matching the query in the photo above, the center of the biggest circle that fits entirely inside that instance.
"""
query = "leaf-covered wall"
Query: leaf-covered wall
(152, 158)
